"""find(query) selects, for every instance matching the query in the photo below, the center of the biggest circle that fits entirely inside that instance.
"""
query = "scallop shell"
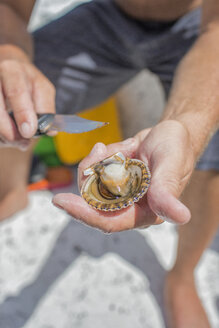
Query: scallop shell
(115, 183)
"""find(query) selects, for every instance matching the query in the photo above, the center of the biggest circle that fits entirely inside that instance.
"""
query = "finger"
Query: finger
(98, 153)
(168, 174)
(129, 218)
(22, 146)
(43, 94)
(6, 126)
(166, 206)
(140, 136)
(128, 147)
(164, 190)
(17, 91)
(9, 135)
(52, 133)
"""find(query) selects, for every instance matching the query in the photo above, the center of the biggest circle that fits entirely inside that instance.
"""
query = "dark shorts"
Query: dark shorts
(95, 48)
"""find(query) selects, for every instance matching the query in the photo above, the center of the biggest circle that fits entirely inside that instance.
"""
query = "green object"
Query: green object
(46, 151)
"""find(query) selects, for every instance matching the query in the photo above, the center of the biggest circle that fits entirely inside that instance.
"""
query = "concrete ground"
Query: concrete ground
(56, 272)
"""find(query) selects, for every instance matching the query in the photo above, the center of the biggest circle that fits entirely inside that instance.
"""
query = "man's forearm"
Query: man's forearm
(194, 99)
(15, 41)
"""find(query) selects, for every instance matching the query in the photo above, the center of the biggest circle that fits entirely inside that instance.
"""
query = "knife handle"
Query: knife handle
(43, 123)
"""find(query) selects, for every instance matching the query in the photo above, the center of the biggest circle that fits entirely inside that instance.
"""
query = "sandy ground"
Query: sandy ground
(56, 272)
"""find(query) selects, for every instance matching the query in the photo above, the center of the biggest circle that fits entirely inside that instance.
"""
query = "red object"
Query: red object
(56, 177)
(39, 185)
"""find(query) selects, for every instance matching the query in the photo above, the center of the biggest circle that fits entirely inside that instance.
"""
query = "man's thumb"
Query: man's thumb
(165, 205)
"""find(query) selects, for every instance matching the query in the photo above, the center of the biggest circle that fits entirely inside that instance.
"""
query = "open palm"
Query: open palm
(167, 151)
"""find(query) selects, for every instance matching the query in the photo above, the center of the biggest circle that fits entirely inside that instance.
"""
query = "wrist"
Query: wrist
(199, 129)
(12, 52)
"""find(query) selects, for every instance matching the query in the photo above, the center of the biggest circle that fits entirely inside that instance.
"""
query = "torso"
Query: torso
(157, 9)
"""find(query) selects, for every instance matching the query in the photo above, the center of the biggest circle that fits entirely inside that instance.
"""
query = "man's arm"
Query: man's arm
(22, 7)
(14, 17)
(170, 148)
(194, 99)
(157, 9)
(23, 88)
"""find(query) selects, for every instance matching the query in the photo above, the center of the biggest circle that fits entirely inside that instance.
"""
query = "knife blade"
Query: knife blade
(64, 123)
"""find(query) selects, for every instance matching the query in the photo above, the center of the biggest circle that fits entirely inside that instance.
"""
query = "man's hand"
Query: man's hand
(166, 149)
(25, 91)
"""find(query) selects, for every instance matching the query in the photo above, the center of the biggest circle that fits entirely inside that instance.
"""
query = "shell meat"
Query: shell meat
(115, 183)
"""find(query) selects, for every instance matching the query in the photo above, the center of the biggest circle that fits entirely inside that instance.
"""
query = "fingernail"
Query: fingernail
(164, 218)
(59, 202)
(96, 148)
(26, 130)
(57, 205)
(23, 147)
(93, 150)
(52, 133)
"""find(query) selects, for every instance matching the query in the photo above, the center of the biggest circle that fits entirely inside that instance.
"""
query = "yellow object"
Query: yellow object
(71, 148)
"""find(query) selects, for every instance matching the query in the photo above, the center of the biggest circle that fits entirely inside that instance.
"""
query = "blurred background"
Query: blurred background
(56, 272)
